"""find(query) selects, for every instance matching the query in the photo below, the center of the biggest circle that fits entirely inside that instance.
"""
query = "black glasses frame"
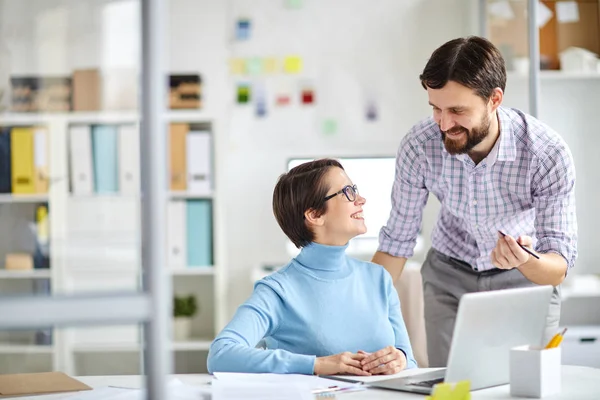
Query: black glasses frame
(348, 190)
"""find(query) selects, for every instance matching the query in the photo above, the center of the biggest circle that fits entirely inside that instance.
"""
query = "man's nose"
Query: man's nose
(446, 122)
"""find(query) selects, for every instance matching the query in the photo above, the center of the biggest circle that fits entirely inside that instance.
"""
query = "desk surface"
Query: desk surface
(581, 383)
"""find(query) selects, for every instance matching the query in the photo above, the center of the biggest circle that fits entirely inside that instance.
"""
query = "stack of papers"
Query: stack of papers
(233, 386)
(177, 391)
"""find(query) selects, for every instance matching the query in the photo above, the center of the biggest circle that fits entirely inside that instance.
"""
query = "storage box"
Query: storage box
(18, 261)
(576, 59)
(535, 372)
(185, 91)
(33, 94)
(87, 90)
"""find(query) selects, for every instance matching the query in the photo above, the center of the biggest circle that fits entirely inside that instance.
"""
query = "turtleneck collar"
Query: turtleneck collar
(324, 261)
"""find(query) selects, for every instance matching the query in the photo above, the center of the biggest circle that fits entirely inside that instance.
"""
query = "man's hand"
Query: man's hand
(343, 363)
(508, 254)
(386, 361)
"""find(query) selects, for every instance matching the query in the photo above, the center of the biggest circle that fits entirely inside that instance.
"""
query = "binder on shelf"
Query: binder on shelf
(178, 134)
(5, 168)
(82, 171)
(22, 167)
(41, 257)
(199, 163)
(41, 160)
(104, 155)
(42, 336)
(129, 159)
(176, 234)
(199, 233)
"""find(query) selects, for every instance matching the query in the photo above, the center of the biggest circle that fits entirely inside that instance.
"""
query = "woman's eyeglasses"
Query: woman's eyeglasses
(350, 191)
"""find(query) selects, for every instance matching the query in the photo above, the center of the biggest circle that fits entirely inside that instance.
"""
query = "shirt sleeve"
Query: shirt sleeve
(553, 188)
(409, 196)
(395, 315)
(234, 349)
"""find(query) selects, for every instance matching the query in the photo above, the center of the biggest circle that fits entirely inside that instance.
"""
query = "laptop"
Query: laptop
(488, 325)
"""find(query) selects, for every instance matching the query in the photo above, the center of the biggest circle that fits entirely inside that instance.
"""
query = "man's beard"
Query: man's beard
(474, 137)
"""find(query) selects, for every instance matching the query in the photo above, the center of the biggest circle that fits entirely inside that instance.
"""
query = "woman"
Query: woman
(324, 313)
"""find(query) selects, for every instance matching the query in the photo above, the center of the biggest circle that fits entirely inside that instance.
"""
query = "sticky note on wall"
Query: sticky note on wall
(237, 66)
(243, 93)
(270, 65)
(243, 27)
(254, 66)
(292, 65)
(329, 127)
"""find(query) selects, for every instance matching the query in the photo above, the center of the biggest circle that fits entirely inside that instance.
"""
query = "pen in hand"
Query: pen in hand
(523, 247)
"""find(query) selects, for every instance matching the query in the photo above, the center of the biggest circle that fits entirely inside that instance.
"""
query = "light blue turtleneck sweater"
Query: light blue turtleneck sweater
(322, 303)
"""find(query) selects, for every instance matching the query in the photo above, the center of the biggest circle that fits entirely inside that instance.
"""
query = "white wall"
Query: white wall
(352, 49)
(349, 48)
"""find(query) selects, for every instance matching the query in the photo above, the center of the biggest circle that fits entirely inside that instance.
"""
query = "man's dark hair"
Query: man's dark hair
(473, 62)
(302, 188)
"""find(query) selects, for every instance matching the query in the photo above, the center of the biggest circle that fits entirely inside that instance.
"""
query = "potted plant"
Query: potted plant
(184, 308)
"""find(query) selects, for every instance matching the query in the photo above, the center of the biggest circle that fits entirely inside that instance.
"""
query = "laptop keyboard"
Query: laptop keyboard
(429, 383)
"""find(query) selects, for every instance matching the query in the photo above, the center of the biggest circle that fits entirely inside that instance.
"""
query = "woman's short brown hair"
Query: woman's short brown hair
(303, 188)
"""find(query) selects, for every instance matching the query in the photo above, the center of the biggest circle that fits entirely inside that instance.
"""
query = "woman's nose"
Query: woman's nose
(360, 200)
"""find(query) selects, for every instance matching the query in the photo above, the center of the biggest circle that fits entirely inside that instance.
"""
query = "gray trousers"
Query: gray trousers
(445, 280)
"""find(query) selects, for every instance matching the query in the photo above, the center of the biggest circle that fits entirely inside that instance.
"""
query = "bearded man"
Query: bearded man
(504, 179)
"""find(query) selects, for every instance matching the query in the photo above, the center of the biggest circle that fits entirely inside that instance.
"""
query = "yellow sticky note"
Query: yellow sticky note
(445, 391)
(237, 66)
(292, 65)
(270, 65)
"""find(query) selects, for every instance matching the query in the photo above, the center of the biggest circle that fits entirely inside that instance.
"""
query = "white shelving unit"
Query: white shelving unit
(25, 274)
(549, 75)
(22, 198)
(66, 276)
(25, 349)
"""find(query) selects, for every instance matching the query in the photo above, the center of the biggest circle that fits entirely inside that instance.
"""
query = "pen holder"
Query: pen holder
(534, 371)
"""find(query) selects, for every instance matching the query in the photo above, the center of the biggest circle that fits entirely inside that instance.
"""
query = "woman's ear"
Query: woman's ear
(313, 218)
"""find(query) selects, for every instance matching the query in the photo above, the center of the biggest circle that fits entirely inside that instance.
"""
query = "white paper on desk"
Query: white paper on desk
(104, 393)
(177, 391)
(246, 390)
(313, 382)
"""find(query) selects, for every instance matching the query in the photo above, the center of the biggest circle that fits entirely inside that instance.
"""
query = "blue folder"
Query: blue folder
(105, 155)
(5, 169)
(199, 233)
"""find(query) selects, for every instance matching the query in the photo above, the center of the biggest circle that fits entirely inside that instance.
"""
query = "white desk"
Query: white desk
(578, 383)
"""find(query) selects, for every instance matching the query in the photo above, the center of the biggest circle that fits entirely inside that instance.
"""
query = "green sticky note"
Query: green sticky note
(254, 66)
(243, 93)
(329, 127)
(293, 3)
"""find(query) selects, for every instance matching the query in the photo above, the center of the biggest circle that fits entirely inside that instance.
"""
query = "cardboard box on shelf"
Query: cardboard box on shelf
(581, 28)
(87, 90)
(18, 261)
(33, 94)
(185, 91)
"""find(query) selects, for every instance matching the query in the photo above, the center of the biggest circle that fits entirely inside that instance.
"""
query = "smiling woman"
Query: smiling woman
(312, 313)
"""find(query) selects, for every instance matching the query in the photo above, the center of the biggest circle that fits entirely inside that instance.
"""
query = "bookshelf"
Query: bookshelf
(116, 215)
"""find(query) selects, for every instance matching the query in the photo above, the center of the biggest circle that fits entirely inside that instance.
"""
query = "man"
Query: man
(493, 170)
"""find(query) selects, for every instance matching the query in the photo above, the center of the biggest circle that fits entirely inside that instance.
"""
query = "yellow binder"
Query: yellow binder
(23, 171)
